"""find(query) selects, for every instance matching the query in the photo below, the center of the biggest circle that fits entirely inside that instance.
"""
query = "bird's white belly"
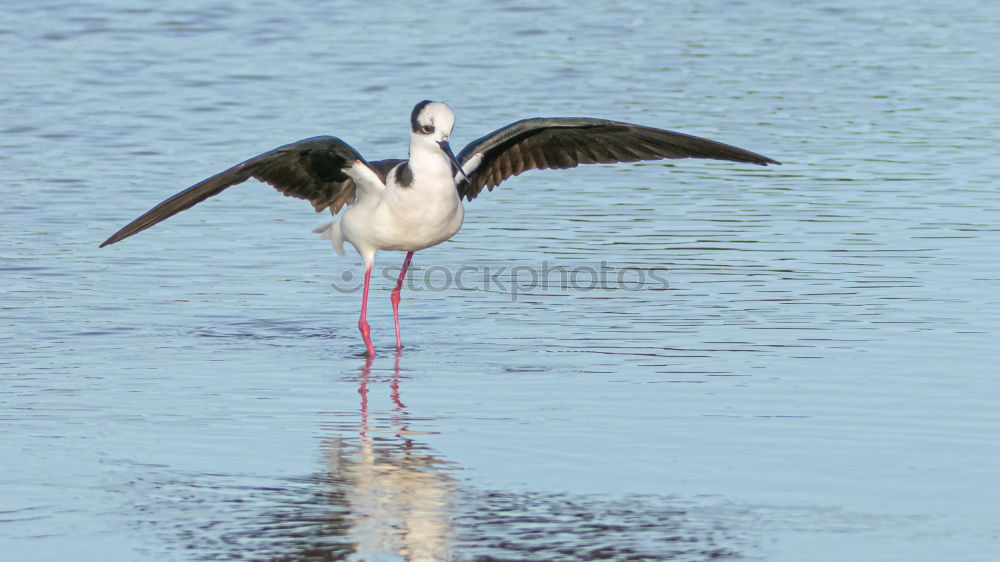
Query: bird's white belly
(406, 220)
(415, 229)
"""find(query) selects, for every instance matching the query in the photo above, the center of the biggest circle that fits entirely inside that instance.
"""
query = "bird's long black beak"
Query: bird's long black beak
(451, 156)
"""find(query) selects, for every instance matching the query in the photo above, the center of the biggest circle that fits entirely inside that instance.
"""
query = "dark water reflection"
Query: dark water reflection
(384, 494)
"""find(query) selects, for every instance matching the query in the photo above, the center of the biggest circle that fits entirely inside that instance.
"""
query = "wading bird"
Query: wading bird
(408, 205)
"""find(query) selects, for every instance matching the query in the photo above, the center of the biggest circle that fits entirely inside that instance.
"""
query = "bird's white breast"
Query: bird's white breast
(411, 217)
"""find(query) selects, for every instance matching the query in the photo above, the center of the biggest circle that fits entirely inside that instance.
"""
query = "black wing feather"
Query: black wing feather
(565, 142)
(310, 169)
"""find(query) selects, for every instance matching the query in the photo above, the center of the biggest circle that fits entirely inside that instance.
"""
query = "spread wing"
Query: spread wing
(565, 142)
(310, 169)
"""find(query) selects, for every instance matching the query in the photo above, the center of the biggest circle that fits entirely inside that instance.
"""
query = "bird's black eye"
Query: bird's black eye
(427, 129)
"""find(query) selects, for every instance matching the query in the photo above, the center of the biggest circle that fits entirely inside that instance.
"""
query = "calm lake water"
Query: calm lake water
(799, 363)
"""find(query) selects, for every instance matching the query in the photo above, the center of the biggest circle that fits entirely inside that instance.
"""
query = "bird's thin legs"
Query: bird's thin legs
(363, 322)
(395, 297)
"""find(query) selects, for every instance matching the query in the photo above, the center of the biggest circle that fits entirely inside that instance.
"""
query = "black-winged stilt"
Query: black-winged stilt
(409, 205)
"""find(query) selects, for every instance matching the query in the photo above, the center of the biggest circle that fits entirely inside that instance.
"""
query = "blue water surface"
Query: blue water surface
(676, 360)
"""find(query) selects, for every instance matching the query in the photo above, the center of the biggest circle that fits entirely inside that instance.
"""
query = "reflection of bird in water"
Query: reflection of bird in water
(386, 495)
(400, 498)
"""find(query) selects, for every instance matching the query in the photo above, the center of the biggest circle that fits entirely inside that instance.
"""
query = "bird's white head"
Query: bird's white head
(431, 123)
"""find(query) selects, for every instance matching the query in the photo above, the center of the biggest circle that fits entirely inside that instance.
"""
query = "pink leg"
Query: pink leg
(395, 297)
(363, 322)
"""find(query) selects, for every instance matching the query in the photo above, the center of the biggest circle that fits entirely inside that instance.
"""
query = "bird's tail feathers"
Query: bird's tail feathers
(331, 231)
